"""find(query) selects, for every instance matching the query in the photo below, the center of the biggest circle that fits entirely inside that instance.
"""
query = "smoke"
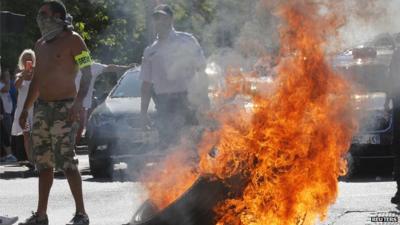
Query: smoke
(366, 19)
(240, 33)
(244, 31)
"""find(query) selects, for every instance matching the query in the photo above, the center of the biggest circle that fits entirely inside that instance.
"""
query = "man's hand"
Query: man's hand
(22, 118)
(145, 121)
(73, 114)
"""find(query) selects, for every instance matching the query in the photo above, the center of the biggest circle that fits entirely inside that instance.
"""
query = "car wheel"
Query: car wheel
(101, 168)
(352, 166)
(194, 207)
(100, 163)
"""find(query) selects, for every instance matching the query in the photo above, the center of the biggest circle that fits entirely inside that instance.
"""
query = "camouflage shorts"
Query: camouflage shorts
(53, 138)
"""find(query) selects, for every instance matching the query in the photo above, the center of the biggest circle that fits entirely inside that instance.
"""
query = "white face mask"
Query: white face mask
(49, 27)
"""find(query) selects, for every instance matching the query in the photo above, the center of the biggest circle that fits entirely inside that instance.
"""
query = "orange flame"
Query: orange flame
(168, 181)
(288, 146)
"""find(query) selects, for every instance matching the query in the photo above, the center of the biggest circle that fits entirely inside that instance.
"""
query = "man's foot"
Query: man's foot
(36, 220)
(79, 219)
(8, 220)
(396, 198)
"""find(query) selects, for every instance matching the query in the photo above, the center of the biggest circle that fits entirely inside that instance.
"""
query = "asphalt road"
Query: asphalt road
(107, 202)
(359, 201)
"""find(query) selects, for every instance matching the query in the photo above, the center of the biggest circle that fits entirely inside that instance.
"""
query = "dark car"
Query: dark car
(115, 133)
(375, 135)
(368, 69)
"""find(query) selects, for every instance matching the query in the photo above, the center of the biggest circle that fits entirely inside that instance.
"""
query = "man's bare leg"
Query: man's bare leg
(45, 182)
(75, 184)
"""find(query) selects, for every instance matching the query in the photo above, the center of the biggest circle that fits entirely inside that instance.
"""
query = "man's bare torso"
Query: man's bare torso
(55, 68)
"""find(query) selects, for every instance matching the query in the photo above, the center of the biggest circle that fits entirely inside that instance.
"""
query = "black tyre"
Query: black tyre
(100, 163)
(194, 207)
(352, 166)
(101, 168)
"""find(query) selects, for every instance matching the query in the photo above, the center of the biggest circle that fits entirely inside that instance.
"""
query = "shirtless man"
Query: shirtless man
(60, 52)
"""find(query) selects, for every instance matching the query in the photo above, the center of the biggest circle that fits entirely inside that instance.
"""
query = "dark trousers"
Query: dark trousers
(174, 113)
(19, 147)
(396, 139)
(5, 132)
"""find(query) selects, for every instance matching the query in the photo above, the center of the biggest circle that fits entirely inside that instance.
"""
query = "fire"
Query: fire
(168, 181)
(287, 149)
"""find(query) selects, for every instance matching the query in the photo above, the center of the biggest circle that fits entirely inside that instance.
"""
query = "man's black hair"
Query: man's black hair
(56, 7)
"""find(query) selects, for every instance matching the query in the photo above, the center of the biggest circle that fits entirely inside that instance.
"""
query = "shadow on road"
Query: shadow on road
(370, 175)
(14, 174)
(119, 175)
(16, 171)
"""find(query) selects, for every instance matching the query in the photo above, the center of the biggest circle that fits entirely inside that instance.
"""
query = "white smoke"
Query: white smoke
(379, 16)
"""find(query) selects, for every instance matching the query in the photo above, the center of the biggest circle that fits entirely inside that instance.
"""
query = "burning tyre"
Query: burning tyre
(194, 207)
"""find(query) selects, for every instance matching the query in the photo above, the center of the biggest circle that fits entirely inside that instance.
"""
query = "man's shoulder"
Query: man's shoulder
(75, 36)
(38, 43)
(185, 36)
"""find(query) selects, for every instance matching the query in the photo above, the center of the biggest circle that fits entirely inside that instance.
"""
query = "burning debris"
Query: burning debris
(280, 159)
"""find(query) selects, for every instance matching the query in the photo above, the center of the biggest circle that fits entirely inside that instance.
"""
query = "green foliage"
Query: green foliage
(13, 44)
(117, 31)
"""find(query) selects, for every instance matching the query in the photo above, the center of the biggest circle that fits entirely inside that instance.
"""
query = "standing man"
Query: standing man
(60, 52)
(173, 66)
(394, 94)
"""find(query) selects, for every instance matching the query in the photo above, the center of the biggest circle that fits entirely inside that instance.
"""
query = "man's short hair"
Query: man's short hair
(56, 6)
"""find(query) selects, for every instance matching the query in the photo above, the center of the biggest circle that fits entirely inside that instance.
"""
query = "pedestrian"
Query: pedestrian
(13, 92)
(60, 52)
(6, 121)
(26, 63)
(394, 94)
(169, 67)
(5, 220)
(97, 69)
(1, 126)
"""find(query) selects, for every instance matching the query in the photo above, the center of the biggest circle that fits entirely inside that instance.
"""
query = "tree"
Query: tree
(117, 31)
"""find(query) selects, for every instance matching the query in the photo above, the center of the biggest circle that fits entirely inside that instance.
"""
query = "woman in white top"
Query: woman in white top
(26, 63)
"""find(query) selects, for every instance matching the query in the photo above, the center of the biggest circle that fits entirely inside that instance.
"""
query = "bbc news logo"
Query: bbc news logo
(384, 219)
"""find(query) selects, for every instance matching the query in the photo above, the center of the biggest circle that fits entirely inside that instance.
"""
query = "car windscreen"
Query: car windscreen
(128, 87)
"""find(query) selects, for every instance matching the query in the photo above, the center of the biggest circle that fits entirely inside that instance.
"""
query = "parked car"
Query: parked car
(368, 69)
(114, 128)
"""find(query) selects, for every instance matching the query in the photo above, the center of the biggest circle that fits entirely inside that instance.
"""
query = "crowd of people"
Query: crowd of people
(15, 145)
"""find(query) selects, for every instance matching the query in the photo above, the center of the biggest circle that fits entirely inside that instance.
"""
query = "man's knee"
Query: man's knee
(48, 170)
(71, 172)
(46, 176)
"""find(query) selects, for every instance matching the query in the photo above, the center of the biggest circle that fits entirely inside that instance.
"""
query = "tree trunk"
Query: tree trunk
(150, 4)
